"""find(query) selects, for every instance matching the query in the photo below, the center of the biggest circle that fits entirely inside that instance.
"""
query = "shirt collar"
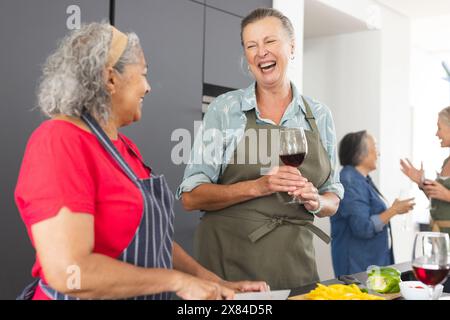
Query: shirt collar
(249, 101)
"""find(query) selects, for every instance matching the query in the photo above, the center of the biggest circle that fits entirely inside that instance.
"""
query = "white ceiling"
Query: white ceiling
(322, 20)
(431, 34)
(418, 8)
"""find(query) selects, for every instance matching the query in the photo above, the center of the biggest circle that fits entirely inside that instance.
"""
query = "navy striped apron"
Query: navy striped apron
(151, 246)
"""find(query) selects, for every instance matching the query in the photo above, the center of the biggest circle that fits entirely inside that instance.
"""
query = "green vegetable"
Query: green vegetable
(383, 279)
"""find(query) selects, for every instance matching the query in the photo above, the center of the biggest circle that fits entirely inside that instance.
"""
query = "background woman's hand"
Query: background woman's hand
(403, 206)
(411, 172)
(193, 288)
(435, 190)
(280, 179)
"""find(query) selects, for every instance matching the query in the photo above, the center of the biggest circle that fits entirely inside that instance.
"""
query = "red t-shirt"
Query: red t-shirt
(66, 166)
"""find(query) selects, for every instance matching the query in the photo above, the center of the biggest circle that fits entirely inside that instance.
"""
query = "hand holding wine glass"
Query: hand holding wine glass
(293, 148)
(429, 187)
(430, 259)
(406, 194)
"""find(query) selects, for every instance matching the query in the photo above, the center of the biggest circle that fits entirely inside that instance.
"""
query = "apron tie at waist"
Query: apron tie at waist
(275, 222)
(436, 225)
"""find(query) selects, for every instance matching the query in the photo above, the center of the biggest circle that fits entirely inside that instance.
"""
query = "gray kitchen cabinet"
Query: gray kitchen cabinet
(171, 34)
(224, 57)
(239, 7)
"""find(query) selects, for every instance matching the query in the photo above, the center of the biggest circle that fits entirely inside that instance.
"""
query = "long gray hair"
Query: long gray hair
(74, 75)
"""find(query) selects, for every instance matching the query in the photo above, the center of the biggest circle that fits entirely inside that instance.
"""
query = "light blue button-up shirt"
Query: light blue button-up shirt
(224, 126)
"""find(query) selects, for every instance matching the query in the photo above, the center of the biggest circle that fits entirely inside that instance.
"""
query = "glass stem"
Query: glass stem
(431, 291)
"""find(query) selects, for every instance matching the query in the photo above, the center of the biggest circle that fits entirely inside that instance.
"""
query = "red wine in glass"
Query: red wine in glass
(431, 275)
(293, 150)
(430, 260)
(293, 160)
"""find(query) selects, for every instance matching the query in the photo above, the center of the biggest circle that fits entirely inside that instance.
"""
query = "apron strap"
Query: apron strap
(275, 222)
(436, 225)
(310, 117)
(251, 118)
(134, 153)
(108, 145)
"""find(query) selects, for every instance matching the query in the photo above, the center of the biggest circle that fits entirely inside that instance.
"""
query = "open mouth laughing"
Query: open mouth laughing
(267, 66)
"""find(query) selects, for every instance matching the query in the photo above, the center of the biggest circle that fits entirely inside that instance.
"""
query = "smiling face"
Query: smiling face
(268, 48)
(127, 92)
(443, 132)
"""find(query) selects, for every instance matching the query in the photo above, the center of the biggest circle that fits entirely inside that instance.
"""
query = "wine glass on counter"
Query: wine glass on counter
(430, 259)
(293, 149)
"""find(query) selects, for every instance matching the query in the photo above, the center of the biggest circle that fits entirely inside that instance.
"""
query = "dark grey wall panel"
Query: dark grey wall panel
(239, 7)
(171, 33)
(29, 31)
(223, 51)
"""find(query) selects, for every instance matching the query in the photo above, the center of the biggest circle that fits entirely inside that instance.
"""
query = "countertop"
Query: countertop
(404, 268)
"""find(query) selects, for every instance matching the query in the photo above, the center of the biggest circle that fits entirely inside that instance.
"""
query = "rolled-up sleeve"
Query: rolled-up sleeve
(206, 156)
(378, 224)
(355, 207)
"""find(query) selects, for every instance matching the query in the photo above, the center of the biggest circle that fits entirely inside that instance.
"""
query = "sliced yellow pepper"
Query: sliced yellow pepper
(340, 292)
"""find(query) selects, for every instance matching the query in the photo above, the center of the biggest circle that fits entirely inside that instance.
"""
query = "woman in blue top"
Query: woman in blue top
(359, 229)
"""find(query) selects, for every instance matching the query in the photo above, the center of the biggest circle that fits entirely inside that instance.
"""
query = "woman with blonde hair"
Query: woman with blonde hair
(438, 191)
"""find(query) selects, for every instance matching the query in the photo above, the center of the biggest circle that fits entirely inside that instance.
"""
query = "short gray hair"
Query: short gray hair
(444, 114)
(261, 13)
(353, 148)
(73, 76)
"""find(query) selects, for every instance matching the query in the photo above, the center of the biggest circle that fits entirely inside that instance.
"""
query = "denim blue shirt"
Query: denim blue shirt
(226, 116)
(358, 237)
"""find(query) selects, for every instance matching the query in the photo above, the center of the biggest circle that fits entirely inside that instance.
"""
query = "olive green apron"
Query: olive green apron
(264, 238)
(440, 210)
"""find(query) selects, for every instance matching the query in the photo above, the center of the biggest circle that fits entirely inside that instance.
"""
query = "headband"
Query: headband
(118, 45)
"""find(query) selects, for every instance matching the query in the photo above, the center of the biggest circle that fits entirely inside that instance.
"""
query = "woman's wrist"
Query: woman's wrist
(447, 195)
(256, 188)
(176, 281)
(392, 212)
(319, 206)
(205, 274)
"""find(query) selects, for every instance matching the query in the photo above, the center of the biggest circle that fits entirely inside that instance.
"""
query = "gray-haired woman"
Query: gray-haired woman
(100, 220)
(360, 228)
(437, 190)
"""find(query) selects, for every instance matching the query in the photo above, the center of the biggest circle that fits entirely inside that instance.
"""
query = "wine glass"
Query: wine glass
(405, 193)
(425, 181)
(293, 149)
(430, 259)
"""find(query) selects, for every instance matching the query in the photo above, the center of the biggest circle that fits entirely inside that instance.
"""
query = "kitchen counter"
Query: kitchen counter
(404, 268)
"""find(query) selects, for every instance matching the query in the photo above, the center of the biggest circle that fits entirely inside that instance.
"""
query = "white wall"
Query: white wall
(294, 10)
(343, 72)
(396, 122)
(364, 10)
(364, 78)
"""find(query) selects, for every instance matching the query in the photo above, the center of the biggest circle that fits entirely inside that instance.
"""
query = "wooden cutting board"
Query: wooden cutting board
(387, 296)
